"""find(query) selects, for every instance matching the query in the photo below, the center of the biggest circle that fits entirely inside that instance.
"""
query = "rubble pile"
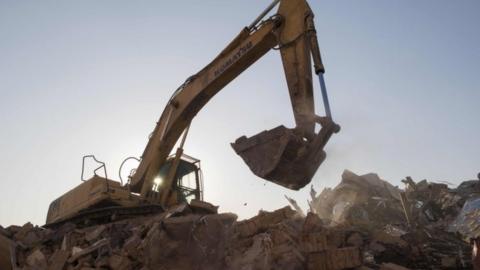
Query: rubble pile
(363, 223)
(419, 227)
(180, 239)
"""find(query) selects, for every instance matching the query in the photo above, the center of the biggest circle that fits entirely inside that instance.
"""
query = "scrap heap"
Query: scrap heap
(363, 223)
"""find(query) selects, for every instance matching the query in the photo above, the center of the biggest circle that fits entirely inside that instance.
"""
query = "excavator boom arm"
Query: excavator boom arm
(289, 29)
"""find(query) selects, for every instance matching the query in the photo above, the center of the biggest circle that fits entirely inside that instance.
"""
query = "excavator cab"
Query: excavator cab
(187, 182)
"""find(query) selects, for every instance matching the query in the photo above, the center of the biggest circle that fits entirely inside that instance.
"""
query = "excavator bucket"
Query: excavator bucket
(282, 157)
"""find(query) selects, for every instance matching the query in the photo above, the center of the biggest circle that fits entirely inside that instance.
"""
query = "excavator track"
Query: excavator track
(107, 214)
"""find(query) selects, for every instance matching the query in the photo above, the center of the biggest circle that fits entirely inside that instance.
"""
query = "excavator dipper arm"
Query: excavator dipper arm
(291, 30)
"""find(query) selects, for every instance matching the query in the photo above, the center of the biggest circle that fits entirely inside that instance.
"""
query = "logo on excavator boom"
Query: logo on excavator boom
(234, 58)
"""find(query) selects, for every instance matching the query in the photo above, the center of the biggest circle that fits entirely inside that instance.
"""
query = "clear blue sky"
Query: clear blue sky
(92, 77)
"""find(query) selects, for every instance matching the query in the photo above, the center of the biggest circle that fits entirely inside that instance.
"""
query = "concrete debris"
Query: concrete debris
(392, 266)
(94, 234)
(58, 259)
(295, 205)
(37, 259)
(77, 253)
(5, 232)
(6, 253)
(364, 223)
(426, 225)
(119, 262)
(271, 240)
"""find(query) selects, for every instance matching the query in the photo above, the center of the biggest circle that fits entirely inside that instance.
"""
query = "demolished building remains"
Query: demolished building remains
(362, 223)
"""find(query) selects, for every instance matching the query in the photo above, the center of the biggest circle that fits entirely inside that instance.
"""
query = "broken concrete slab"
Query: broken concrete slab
(5, 232)
(335, 259)
(94, 234)
(313, 242)
(37, 259)
(7, 253)
(78, 252)
(118, 262)
(392, 266)
(23, 231)
(131, 246)
(58, 260)
(263, 220)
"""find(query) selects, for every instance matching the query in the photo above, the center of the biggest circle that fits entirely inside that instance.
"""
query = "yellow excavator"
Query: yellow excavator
(288, 157)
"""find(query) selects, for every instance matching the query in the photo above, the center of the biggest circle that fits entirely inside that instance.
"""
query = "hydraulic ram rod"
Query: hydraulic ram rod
(323, 88)
(265, 12)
